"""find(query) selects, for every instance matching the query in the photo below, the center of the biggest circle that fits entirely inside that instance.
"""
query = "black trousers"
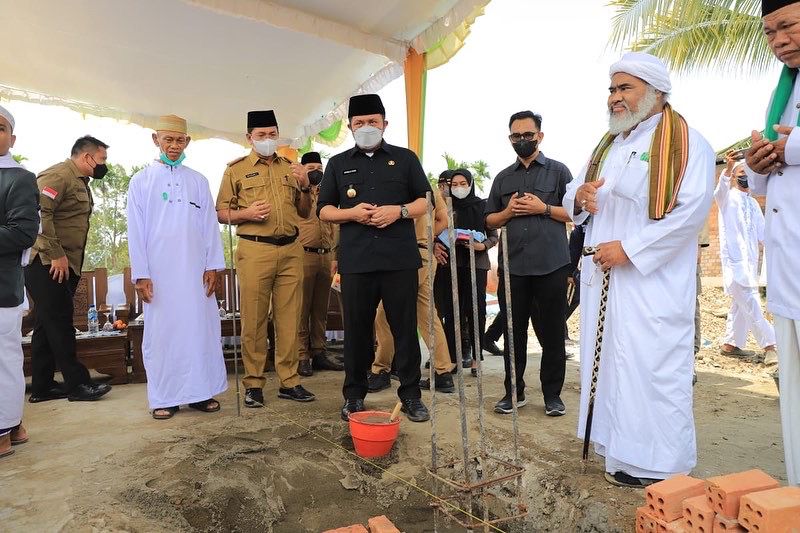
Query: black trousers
(361, 294)
(53, 342)
(465, 311)
(542, 301)
(498, 326)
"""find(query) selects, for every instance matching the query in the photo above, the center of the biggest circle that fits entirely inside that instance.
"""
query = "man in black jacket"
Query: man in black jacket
(19, 222)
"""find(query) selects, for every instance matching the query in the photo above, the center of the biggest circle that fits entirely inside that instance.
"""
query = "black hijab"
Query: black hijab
(468, 213)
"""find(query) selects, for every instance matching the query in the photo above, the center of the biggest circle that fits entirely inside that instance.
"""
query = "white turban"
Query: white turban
(6, 114)
(645, 67)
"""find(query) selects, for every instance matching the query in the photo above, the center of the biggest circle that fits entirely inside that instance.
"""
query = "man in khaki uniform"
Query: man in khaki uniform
(319, 244)
(265, 195)
(55, 269)
(379, 376)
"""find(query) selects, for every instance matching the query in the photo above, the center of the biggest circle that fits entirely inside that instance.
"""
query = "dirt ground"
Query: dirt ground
(108, 466)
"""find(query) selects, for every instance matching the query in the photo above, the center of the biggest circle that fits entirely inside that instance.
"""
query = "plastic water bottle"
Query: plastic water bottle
(91, 316)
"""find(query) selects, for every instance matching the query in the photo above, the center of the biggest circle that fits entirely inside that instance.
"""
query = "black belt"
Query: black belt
(320, 251)
(277, 241)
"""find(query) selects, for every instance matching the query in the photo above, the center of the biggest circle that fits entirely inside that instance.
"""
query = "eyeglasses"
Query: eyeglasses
(528, 136)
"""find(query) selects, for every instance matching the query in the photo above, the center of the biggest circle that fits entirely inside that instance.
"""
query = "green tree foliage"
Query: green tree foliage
(691, 35)
(479, 170)
(107, 242)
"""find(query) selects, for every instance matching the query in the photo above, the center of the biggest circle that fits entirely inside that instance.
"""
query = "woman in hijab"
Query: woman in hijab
(468, 214)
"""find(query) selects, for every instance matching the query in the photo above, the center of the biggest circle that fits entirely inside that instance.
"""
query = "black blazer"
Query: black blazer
(19, 225)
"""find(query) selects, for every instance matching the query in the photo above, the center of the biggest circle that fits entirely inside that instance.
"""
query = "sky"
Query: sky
(549, 57)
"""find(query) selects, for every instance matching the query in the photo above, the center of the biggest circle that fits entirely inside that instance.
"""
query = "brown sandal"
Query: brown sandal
(170, 412)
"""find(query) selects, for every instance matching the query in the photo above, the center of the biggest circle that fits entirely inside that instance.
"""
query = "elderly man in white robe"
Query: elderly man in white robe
(741, 229)
(648, 188)
(176, 250)
(773, 168)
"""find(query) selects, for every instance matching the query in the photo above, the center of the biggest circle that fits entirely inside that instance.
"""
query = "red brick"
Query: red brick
(355, 528)
(723, 524)
(775, 510)
(665, 498)
(677, 526)
(724, 492)
(698, 515)
(644, 521)
(381, 524)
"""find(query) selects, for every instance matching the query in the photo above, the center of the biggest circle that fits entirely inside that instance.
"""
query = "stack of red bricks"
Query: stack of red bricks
(376, 524)
(750, 501)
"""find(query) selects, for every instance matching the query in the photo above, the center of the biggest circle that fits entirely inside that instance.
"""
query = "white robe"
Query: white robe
(173, 238)
(783, 263)
(643, 422)
(741, 228)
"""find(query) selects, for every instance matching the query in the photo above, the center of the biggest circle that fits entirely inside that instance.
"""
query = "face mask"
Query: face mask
(368, 137)
(167, 161)
(315, 177)
(460, 192)
(525, 148)
(266, 147)
(99, 171)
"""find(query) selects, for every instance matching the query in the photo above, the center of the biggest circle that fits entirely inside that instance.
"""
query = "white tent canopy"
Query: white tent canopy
(213, 60)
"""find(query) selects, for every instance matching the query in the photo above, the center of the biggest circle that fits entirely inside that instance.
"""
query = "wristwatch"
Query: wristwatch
(547, 210)
(403, 211)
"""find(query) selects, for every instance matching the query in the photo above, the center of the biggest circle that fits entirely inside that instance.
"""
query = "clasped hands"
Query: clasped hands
(525, 204)
(373, 215)
(765, 156)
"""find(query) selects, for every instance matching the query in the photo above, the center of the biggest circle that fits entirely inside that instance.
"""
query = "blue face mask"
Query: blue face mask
(167, 161)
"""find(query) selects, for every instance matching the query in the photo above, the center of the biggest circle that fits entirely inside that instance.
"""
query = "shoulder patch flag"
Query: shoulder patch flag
(50, 193)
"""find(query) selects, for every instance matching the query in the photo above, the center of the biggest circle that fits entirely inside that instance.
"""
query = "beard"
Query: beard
(617, 123)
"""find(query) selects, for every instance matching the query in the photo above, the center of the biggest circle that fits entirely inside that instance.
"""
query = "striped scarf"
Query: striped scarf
(669, 153)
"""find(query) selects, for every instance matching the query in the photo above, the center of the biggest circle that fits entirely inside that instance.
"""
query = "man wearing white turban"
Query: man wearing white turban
(648, 188)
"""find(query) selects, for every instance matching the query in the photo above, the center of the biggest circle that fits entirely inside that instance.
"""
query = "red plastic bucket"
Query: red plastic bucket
(373, 434)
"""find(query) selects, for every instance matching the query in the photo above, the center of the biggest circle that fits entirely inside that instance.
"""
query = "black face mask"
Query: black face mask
(315, 177)
(525, 148)
(100, 171)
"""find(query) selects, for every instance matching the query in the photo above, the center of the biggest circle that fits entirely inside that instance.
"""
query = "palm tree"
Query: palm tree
(720, 35)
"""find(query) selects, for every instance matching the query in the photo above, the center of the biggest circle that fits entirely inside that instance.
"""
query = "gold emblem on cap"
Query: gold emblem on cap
(391, 162)
(351, 192)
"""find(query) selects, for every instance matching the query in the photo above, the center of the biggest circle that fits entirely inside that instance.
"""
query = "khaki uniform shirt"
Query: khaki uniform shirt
(66, 204)
(252, 178)
(313, 232)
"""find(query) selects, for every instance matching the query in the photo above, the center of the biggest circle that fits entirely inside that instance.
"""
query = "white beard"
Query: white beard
(617, 123)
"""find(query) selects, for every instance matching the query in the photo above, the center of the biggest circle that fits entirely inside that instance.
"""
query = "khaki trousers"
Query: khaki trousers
(269, 274)
(314, 308)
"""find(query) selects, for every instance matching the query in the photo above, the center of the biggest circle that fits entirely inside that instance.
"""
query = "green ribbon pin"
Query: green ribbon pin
(164, 196)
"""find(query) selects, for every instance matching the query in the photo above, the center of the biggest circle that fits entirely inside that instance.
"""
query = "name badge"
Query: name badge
(351, 171)
(252, 174)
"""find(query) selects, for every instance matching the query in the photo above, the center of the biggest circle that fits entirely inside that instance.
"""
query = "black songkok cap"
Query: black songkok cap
(261, 119)
(768, 6)
(365, 104)
(310, 157)
(446, 176)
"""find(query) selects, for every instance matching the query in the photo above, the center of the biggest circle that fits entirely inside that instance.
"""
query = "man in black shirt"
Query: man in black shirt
(526, 199)
(375, 190)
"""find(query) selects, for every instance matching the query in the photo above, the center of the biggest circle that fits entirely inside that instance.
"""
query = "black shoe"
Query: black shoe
(621, 479)
(554, 407)
(377, 382)
(322, 361)
(504, 406)
(492, 348)
(254, 398)
(466, 363)
(87, 392)
(56, 392)
(442, 382)
(304, 368)
(352, 406)
(415, 410)
(296, 393)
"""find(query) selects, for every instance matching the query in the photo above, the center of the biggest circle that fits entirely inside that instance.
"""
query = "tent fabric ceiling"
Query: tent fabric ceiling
(213, 60)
